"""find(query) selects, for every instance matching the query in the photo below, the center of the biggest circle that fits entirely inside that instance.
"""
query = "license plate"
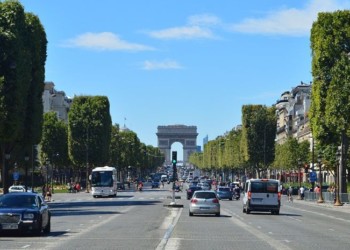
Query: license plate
(9, 226)
(204, 208)
(257, 199)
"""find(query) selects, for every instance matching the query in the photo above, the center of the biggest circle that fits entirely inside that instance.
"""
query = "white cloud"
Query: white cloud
(104, 41)
(156, 65)
(292, 21)
(189, 32)
(197, 28)
(204, 20)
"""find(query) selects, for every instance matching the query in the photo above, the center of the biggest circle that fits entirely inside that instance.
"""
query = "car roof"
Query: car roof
(21, 194)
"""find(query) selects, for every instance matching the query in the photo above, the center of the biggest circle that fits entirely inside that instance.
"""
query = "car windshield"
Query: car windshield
(205, 195)
(18, 201)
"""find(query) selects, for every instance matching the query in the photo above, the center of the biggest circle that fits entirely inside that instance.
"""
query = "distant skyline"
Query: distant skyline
(179, 62)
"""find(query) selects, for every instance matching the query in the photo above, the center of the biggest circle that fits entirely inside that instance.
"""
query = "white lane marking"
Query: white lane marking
(275, 244)
(26, 246)
(170, 223)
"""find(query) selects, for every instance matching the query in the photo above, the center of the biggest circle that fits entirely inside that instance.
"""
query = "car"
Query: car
(262, 195)
(190, 191)
(204, 185)
(120, 186)
(17, 188)
(155, 184)
(224, 193)
(204, 202)
(23, 211)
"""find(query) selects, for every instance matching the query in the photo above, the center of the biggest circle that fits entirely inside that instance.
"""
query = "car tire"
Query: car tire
(230, 199)
(248, 211)
(244, 210)
(47, 229)
(277, 212)
(217, 214)
(190, 214)
(38, 231)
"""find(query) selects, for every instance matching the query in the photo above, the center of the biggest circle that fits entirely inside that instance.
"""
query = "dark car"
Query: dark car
(23, 211)
(155, 184)
(191, 190)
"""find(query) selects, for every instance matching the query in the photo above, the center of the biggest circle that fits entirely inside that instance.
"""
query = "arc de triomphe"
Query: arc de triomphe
(186, 135)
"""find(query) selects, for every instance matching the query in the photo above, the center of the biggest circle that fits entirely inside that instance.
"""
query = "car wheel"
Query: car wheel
(230, 199)
(190, 214)
(217, 214)
(243, 210)
(248, 211)
(277, 212)
(47, 229)
(39, 229)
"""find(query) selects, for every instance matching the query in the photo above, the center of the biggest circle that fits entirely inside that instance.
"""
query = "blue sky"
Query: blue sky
(184, 62)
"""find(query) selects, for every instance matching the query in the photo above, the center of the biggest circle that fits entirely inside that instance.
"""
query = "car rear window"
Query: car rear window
(224, 189)
(264, 187)
(205, 195)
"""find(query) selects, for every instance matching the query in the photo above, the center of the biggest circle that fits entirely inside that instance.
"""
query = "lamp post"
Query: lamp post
(299, 178)
(26, 158)
(319, 160)
(337, 198)
(47, 173)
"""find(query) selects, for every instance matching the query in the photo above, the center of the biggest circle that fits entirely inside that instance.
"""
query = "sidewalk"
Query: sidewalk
(345, 208)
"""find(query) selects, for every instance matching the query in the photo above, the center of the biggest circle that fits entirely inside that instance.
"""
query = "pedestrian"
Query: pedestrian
(290, 194)
(48, 193)
(302, 190)
(43, 191)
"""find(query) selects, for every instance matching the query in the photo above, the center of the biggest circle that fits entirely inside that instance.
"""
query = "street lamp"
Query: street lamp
(26, 158)
(319, 160)
(299, 178)
(337, 198)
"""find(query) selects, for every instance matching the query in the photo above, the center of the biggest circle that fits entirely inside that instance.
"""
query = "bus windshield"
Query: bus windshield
(102, 179)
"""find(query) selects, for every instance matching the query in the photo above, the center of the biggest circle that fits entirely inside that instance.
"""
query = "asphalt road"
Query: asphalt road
(139, 220)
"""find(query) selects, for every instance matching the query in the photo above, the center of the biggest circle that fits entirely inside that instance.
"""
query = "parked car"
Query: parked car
(224, 193)
(23, 211)
(17, 188)
(204, 202)
(190, 191)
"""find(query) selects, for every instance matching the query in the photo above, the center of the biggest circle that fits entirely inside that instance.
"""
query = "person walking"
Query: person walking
(290, 194)
(302, 190)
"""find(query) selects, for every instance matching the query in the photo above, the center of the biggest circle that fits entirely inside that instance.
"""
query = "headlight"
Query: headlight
(28, 216)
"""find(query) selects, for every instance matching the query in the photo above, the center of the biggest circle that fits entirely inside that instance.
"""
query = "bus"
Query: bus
(104, 182)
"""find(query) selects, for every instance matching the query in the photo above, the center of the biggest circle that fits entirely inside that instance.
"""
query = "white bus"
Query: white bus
(104, 182)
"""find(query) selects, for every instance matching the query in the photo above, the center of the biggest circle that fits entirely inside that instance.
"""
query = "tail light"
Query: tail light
(249, 195)
(194, 200)
(279, 196)
(215, 200)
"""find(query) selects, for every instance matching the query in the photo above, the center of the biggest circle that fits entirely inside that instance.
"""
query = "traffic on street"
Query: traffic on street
(140, 220)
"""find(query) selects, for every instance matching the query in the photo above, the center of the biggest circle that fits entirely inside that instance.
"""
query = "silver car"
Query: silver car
(204, 202)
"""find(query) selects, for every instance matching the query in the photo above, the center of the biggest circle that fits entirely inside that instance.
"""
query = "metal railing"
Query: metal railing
(328, 197)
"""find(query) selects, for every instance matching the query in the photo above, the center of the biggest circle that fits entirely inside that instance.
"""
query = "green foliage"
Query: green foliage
(53, 145)
(290, 153)
(22, 71)
(89, 130)
(259, 129)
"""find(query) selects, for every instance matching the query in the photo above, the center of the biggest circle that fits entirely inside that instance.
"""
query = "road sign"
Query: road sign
(15, 176)
(313, 176)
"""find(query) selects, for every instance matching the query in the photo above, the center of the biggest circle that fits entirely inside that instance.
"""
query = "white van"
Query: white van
(262, 195)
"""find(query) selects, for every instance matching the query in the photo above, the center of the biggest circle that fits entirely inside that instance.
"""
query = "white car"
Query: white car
(16, 188)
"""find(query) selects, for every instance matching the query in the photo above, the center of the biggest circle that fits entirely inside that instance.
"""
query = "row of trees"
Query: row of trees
(23, 46)
(253, 147)
(89, 139)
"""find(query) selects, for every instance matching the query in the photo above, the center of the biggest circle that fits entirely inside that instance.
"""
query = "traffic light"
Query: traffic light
(174, 157)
